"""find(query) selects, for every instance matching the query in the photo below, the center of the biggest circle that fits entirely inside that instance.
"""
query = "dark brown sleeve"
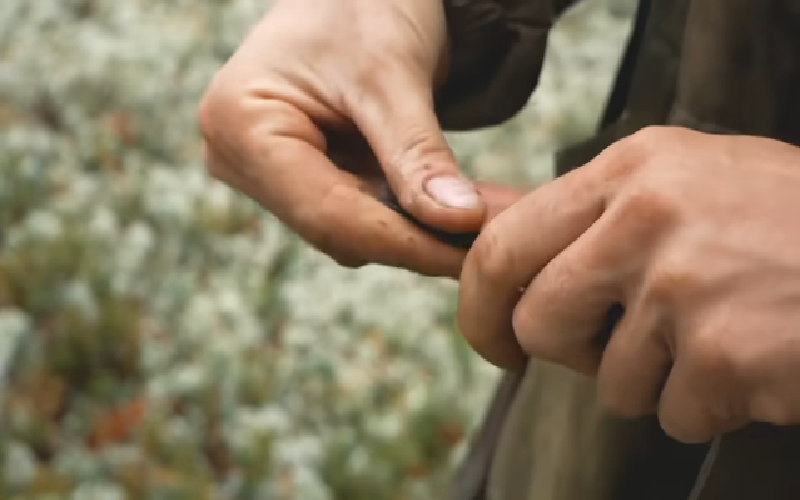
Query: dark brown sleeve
(497, 49)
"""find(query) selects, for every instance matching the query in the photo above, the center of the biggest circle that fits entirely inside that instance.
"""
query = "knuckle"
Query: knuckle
(672, 276)
(319, 225)
(648, 206)
(713, 359)
(371, 67)
(635, 152)
(380, 83)
(313, 223)
(215, 105)
(416, 144)
(654, 141)
(649, 138)
(222, 143)
(408, 198)
(626, 156)
(367, 79)
(491, 259)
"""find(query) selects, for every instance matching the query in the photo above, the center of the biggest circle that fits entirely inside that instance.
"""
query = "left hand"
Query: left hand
(697, 237)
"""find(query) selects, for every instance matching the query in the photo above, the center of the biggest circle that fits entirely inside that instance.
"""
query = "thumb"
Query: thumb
(396, 117)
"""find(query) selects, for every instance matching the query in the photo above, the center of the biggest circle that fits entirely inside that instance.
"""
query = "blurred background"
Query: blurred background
(161, 337)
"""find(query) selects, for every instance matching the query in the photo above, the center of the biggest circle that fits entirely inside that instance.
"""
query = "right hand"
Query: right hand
(323, 102)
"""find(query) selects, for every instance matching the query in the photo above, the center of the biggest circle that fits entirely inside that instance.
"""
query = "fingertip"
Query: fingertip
(447, 202)
(682, 412)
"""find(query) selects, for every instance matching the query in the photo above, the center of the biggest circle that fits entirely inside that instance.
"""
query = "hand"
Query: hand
(322, 103)
(697, 237)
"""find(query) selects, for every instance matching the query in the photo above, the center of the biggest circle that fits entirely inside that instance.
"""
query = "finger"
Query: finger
(342, 219)
(497, 197)
(512, 249)
(697, 404)
(353, 223)
(290, 176)
(385, 238)
(772, 395)
(395, 114)
(684, 410)
(636, 362)
(562, 313)
(711, 387)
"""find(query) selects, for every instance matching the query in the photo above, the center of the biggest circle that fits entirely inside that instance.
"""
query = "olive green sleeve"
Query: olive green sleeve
(496, 52)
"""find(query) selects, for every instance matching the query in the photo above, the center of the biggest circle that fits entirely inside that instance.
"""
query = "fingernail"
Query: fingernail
(453, 192)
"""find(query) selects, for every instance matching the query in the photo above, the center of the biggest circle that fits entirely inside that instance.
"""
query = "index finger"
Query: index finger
(334, 211)
(518, 244)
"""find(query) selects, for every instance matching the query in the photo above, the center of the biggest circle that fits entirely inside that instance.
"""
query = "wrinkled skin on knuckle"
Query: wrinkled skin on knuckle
(316, 223)
(416, 143)
(408, 198)
(644, 150)
(714, 359)
(652, 138)
(320, 225)
(673, 277)
(625, 157)
(226, 133)
(366, 76)
(526, 320)
(649, 205)
(491, 259)
(662, 148)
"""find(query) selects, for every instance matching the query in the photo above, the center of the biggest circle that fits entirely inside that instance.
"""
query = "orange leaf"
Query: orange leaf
(116, 425)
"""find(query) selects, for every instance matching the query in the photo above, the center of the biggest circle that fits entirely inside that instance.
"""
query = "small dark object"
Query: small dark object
(458, 240)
